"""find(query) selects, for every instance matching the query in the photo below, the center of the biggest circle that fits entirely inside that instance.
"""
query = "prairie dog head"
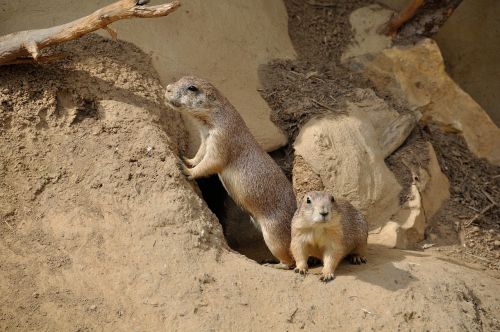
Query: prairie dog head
(317, 208)
(192, 95)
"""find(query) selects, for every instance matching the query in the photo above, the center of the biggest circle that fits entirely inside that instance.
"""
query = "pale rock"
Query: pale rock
(416, 75)
(344, 155)
(429, 190)
(432, 184)
(469, 43)
(344, 151)
(366, 23)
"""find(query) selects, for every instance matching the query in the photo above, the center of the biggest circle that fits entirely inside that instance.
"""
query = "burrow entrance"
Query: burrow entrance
(239, 231)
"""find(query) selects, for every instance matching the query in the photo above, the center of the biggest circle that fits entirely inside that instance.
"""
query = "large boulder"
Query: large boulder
(416, 75)
(344, 151)
(345, 155)
(468, 41)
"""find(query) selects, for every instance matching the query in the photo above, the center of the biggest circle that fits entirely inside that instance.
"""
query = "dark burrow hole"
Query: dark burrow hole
(86, 108)
(239, 231)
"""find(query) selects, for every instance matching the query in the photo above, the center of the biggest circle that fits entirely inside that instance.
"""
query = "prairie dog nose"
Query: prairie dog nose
(324, 213)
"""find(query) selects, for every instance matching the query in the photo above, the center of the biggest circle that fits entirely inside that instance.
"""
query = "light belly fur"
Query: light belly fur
(318, 239)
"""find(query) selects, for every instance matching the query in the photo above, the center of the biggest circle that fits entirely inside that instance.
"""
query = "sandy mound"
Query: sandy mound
(90, 190)
(100, 230)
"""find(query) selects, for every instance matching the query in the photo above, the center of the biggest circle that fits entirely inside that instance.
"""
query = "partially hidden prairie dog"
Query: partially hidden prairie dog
(251, 177)
(329, 229)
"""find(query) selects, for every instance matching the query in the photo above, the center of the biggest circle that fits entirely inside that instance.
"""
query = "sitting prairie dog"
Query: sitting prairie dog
(251, 177)
(327, 229)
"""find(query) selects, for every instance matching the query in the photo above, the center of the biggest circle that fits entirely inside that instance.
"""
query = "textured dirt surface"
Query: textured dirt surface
(316, 83)
(471, 218)
(100, 231)
(90, 191)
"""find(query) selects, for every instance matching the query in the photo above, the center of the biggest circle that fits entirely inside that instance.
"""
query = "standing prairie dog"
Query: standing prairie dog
(251, 177)
(327, 229)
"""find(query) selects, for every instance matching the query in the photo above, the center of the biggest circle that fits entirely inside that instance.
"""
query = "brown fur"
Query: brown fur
(339, 232)
(249, 174)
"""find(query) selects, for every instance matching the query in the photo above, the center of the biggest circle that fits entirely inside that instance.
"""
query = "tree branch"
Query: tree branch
(419, 19)
(403, 16)
(19, 45)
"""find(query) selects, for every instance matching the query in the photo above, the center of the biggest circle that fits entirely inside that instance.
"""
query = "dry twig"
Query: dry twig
(488, 196)
(5, 221)
(402, 17)
(322, 105)
(479, 215)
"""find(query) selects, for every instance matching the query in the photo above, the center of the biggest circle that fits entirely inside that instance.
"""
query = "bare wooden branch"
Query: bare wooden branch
(419, 19)
(19, 45)
(402, 17)
(40, 59)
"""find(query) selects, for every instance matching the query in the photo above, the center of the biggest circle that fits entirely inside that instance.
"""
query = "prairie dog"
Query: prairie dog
(251, 177)
(328, 229)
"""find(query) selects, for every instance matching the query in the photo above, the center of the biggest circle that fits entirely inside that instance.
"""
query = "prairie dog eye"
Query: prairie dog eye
(193, 88)
(308, 200)
(332, 199)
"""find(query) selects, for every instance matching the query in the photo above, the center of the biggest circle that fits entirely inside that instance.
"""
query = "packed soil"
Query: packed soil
(99, 230)
(315, 83)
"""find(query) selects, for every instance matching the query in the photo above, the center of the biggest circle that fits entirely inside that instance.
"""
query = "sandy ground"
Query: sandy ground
(100, 231)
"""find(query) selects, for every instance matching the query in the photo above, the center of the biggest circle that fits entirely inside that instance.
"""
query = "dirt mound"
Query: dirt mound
(99, 230)
(91, 194)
